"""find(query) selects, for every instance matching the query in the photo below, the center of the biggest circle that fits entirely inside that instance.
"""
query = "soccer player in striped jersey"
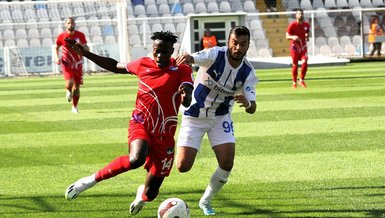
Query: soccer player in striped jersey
(163, 87)
(225, 76)
(298, 34)
(71, 62)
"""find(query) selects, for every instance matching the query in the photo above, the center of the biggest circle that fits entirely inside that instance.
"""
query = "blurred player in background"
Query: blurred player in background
(298, 34)
(225, 76)
(71, 62)
(163, 87)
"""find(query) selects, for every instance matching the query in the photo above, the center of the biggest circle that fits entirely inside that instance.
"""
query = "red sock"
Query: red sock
(119, 165)
(294, 72)
(75, 100)
(303, 70)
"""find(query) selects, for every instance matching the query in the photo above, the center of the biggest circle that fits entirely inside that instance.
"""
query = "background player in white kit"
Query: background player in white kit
(224, 76)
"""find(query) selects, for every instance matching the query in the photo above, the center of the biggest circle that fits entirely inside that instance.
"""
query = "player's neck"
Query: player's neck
(70, 32)
(233, 62)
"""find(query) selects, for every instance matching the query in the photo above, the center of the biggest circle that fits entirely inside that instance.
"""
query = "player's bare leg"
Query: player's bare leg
(303, 73)
(75, 97)
(146, 193)
(69, 86)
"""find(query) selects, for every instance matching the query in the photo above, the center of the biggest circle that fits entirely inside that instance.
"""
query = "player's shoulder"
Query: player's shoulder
(184, 68)
(79, 33)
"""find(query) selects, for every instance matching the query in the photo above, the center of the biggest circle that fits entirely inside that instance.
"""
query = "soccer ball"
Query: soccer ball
(173, 208)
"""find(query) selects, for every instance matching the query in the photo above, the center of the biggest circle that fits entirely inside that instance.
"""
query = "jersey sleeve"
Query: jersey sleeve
(249, 86)
(289, 29)
(133, 67)
(59, 41)
(83, 39)
(205, 57)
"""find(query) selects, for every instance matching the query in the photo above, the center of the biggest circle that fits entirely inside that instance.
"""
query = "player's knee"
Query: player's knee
(228, 166)
(137, 160)
(183, 166)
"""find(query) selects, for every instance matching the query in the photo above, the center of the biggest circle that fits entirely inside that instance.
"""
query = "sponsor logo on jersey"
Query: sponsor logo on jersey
(170, 150)
(221, 90)
(173, 68)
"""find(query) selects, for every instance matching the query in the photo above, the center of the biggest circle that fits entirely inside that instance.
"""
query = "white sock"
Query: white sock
(218, 180)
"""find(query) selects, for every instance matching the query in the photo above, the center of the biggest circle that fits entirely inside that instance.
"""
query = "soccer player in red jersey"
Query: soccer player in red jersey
(71, 62)
(298, 34)
(163, 87)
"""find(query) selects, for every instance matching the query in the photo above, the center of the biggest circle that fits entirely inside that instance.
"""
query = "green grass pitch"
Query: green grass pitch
(315, 152)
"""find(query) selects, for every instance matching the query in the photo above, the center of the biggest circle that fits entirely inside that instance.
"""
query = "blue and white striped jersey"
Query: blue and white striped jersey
(217, 82)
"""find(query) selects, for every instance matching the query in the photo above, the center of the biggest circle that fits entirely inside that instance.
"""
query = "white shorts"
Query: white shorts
(219, 131)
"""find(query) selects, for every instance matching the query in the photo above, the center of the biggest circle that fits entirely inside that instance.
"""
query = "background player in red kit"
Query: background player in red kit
(71, 62)
(298, 34)
(163, 86)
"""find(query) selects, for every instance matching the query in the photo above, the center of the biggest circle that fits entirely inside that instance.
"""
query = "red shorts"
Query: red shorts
(72, 74)
(297, 53)
(160, 156)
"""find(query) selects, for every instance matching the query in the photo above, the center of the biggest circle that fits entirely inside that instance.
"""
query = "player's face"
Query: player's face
(238, 46)
(70, 24)
(299, 15)
(162, 52)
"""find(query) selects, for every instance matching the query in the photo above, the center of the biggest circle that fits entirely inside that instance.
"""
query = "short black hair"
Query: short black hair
(165, 36)
(299, 9)
(240, 31)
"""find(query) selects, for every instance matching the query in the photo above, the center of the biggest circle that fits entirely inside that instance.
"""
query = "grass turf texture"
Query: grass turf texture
(311, 152)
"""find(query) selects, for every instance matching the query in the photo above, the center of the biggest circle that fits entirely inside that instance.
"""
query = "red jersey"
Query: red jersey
(70, 58)
(299, 30)
(158, 99)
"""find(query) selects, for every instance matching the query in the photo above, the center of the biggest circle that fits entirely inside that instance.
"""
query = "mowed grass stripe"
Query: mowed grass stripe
(95, 150)
(306, 167)
(83, 99)
(238, 115)
(110, 102)
(52, 93)
(351, 69)
(301, 127)
(268, 90)
(272, 168)
(310, 143)
(63, 138)
(116, 111)
(355, 101)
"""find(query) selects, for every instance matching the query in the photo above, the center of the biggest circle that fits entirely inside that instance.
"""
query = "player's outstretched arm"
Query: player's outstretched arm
(104, 62)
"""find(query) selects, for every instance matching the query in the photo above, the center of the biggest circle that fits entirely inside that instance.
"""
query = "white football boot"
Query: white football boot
(75, 110)
(138, 203)
(79, 186)
(208, 210)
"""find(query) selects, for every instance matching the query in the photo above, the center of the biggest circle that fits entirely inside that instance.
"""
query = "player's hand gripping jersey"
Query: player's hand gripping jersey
(217, 82)
(158, 99)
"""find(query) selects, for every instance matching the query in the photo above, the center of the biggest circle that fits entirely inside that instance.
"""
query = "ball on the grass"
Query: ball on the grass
(173, 208)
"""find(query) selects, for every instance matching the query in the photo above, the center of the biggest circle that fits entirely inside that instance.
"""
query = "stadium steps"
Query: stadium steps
(275, 29)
